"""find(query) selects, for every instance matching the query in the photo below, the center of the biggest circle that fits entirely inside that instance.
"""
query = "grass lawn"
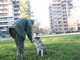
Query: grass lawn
(59, 47)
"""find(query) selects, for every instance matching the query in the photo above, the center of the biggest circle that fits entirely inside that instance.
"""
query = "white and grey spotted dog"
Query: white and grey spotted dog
(41, 50)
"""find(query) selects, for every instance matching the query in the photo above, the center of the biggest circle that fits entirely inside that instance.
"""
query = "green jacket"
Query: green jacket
(24, 27)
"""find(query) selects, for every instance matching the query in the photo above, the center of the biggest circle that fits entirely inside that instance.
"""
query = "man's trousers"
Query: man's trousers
(19, 43)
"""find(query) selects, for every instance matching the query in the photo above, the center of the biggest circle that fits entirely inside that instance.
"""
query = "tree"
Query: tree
(36, 28)
(45, 30)
(25, 9)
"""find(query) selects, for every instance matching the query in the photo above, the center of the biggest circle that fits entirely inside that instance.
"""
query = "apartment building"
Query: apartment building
(78, 25)
(59, 13)
(16, 9)
(10, 12)
(6, 16)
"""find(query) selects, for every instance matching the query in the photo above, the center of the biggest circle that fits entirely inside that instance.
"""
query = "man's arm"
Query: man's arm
(29, 31)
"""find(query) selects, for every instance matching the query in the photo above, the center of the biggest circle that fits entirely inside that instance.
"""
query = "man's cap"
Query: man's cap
(37, 38)
(32, 21)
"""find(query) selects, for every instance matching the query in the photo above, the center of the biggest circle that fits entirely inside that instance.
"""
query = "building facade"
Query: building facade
(10, 12)
(16, 9)
(59, 12)
(6, 15)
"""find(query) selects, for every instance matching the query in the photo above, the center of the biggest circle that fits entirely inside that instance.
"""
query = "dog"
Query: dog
(41, 50)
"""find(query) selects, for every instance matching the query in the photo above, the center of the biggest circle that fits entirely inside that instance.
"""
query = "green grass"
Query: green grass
(59, 47)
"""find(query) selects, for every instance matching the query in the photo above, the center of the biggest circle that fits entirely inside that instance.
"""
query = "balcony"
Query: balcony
(17, 4)
(6, 20)
(55, 27)
(56, 6)
(3, 29)
(4, 25)
(15, 0)
(60, 20)
(60, 24)
(3, 3)
(3, 7)
(57, 16)
(16, 12)
(54, 9)
(3, 21)
(3, 11)
(16, 8)
(16, 16)
(55, 23)
(64, 16)
(3, 16)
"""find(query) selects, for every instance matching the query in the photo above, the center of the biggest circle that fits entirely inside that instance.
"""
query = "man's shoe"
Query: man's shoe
(20, 57)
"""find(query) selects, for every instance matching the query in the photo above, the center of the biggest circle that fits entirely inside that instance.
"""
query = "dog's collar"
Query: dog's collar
(42, 47)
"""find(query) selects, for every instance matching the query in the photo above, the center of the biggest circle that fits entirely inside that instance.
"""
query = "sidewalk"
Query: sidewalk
(4, 39)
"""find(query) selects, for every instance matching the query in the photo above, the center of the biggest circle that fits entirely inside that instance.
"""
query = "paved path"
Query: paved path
(4, 39)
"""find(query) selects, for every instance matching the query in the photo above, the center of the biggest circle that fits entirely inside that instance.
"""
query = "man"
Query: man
(18, 31)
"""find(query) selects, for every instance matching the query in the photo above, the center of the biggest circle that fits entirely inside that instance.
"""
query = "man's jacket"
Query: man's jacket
(23, 27)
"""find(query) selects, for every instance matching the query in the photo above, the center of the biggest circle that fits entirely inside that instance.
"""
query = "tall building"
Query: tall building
(59, 13)
(6, 15)
(21, 9)
(16, 9)
(9, 13)
(25, 7)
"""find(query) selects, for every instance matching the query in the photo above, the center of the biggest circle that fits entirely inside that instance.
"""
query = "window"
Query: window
(64, 11)
(65, 15)
(60, 22)
(58, 4)
(65, 21)
(60, 25)
(65, 28)
(64, 18)
(65, 25)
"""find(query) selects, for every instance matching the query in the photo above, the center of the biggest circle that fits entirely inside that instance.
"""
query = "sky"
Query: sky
(76, 9)
(40, 10)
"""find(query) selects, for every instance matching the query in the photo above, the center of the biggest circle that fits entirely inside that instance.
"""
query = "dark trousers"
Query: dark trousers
(18, 40)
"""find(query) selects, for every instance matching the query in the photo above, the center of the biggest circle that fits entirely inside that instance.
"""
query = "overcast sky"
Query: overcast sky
(40, 10)
(76, 9)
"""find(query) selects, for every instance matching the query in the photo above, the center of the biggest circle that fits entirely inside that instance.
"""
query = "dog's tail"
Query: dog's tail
(45, 51)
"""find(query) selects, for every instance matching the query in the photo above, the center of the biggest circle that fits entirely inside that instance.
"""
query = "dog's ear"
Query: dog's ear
(38, 38)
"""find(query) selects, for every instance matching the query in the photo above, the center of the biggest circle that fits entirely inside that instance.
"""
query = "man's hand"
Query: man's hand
(32, 41)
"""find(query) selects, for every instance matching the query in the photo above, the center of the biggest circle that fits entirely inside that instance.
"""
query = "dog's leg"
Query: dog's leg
(41, 52)
(44, 51)
(37, 51)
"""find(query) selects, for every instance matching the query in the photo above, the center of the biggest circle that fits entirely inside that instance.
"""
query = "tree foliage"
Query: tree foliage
(36, 28)
(40, 30)
(24, 9)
